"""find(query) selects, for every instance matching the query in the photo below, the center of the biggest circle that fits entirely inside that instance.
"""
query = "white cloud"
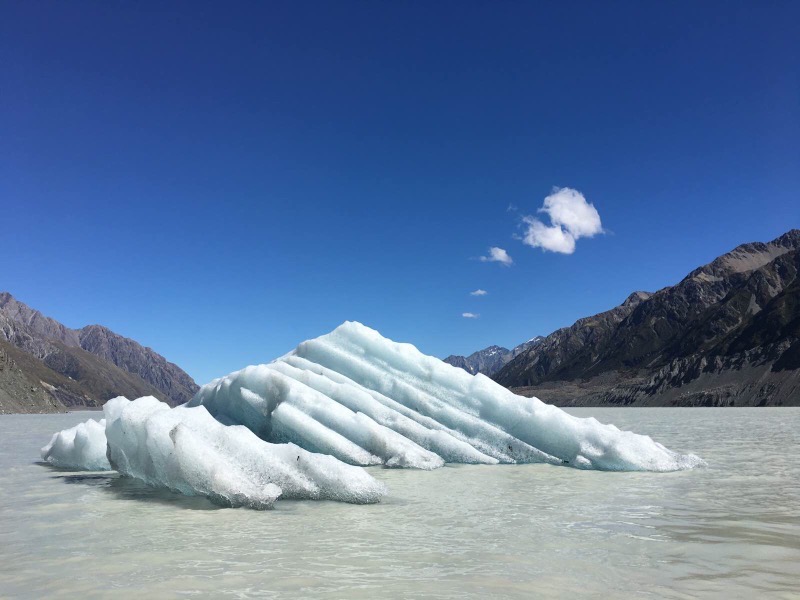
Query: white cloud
(470, 315)
(497, 255)
(552, 238)
(571, 218)
(478, 292)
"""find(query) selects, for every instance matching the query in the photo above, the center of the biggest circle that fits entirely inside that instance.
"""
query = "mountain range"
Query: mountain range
(46, 366)
(728, 334)
(490, 360)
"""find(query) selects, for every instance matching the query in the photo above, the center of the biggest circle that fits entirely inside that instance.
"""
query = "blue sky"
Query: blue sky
(223, 180)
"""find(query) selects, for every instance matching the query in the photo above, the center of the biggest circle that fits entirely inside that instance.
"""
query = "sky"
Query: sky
(222, 180)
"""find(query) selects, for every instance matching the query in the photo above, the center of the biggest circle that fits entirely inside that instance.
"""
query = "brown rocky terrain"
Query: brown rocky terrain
(728, 334)
(49, 367)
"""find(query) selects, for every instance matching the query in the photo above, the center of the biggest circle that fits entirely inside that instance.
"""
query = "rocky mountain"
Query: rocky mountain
(490, 360)
(23, 383)
(134, 358)
(727, 334)
(47, 366)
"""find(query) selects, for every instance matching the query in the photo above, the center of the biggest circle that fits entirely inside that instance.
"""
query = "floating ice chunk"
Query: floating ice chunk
(186, 450)
(287, 429)
(365, 399)
(82, 447)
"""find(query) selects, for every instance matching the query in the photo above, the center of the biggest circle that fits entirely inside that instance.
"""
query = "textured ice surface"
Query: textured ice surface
(187, 450)
(80, 447)
(367, 400)
(301, 427)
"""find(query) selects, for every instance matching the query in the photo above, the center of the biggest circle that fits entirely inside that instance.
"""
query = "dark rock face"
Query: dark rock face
(568, 350)
(490, 360)
(727, 334)
(84, 367)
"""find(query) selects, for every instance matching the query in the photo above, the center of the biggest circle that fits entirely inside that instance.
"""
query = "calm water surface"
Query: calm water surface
(731, 530)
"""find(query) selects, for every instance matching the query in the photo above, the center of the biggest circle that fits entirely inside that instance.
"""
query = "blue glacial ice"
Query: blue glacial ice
(301, 426)
(368, 400)
(81, 447)
(186, 450)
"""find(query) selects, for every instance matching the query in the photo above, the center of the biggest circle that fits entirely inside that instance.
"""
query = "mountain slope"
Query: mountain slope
(568, 350)
(24, 383)
(83, 367)
(727, 334)
(134, 358)
(489, 360)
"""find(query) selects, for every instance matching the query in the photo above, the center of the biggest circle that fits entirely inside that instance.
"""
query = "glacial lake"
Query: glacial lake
(730, 530)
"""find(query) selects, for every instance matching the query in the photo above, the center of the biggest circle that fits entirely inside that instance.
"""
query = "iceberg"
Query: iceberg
(81, 447)
(303, 425)
(186, 450)
(367, 400)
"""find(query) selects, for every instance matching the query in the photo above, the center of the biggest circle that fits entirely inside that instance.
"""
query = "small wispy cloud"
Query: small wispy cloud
(497, 255)
(478, 292)
(469, 315)
(571, 218)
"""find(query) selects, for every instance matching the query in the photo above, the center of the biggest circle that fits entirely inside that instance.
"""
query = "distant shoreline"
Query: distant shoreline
(561, 406)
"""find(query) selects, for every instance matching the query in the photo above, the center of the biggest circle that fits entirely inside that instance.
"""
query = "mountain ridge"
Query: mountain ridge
(721, 336)
(78, 367)
(491, 359)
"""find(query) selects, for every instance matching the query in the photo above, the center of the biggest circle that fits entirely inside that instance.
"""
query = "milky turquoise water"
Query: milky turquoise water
(731, 530)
